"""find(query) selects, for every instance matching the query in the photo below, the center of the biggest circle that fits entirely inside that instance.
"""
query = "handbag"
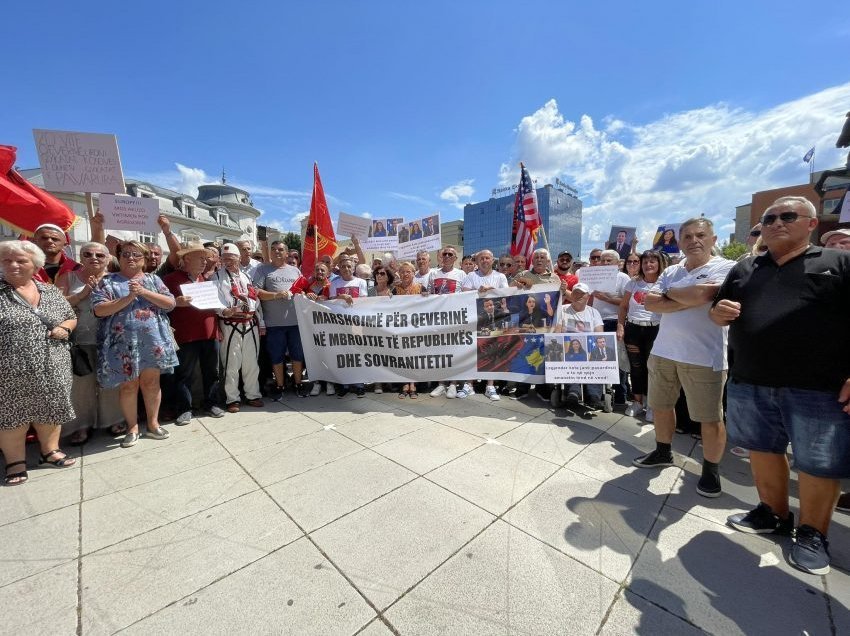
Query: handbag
(80, 362)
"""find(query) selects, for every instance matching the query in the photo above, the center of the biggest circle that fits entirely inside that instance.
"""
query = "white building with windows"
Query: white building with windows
(220, 212)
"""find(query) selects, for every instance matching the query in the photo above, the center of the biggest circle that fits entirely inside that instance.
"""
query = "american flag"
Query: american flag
(526, 217)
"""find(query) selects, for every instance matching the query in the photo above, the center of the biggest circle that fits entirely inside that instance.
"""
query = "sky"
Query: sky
(654, 111)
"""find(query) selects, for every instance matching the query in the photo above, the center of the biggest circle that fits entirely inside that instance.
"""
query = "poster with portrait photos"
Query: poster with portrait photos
(382, 235)
(418, 235)
(621, 240)
(666, 238)
(581, 358)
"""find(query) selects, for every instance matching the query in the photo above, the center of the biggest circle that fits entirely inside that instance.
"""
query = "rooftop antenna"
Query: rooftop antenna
(223, 176)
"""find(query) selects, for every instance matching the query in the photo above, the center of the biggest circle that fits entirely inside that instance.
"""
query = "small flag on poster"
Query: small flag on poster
(808, 156)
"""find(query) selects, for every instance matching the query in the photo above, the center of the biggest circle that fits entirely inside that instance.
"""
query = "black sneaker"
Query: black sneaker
(342, 391)
(573, 399)
(762, 520)
(709, 486)
(596, 405)
(810, 552)
(655, 459)
(301, 390)
(360, 392)
(843, 502)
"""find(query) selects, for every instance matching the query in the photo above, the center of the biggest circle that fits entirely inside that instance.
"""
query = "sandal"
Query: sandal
(402, 394)
(118, 429)
(62, 462)
(78, 438)
(16, 479)
(413, 395)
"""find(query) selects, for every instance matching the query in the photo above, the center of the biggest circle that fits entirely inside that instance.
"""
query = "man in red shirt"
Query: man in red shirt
(52, 240)
(196, 333)
(562, 269)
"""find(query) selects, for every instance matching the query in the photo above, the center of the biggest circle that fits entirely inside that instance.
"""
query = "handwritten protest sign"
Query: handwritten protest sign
(204, 295)
(79, 162)
(581, 358)
(130, 213)
(350, 225)
(600, 278)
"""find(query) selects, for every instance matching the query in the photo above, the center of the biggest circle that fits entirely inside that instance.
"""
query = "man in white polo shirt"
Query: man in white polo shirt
(689, 352)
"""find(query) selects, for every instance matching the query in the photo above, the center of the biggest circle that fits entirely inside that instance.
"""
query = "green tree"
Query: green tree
(292, 241)
(734, 250)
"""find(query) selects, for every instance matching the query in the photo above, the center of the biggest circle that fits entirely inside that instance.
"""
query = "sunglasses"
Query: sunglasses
(132, 255)
(786, 217)
(755, 233)
(380, 273)
(93, 255)
(505, 264)
(447, 254)
(596, 258)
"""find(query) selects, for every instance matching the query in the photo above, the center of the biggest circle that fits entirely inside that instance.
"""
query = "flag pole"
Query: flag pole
(812, 165)
(315, 222)
(545, 240)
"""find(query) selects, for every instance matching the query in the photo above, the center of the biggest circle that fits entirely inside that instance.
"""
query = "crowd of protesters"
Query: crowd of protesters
(699, 333)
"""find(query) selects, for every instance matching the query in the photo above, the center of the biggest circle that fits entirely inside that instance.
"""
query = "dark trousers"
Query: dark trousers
(642, 338)
(203, 353)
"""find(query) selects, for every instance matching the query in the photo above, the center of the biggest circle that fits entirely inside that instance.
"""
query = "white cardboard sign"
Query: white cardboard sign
(139, 214)
(599, 278)
(350, 225)
(79, 162)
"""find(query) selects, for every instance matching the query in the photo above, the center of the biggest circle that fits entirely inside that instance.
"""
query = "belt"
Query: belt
(644, 323)
(237, 321)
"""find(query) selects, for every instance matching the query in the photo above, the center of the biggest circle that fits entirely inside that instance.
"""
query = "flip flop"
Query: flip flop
(413, 395)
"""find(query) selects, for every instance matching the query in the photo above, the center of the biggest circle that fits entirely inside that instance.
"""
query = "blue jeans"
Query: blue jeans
(766, 419)
(593, 391)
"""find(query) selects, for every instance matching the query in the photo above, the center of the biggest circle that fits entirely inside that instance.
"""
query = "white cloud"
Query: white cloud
(412, 198)
(706, 160)
(459, 194)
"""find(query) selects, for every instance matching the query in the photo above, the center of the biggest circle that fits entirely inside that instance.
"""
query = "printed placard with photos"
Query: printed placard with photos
(581, 358)
(419, 235)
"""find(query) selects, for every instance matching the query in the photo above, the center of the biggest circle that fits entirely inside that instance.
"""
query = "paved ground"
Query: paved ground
(382, 516)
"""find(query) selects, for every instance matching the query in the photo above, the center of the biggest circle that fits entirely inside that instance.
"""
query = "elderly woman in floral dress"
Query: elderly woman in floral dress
(35, 383)
(135, 343)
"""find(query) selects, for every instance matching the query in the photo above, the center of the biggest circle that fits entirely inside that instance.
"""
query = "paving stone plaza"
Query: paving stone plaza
(381, 516)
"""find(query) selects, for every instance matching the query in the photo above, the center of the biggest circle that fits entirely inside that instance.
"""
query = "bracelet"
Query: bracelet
(65, 328)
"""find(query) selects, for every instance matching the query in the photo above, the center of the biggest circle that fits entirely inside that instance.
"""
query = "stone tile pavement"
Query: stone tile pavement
(382, 516)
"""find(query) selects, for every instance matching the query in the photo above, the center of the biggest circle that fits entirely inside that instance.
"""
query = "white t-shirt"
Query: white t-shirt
(356, 287)
(689, 335)
(586, 320)
(494, 279)
(639, 288)
(440, 282)
(422, 279)
(608, 310)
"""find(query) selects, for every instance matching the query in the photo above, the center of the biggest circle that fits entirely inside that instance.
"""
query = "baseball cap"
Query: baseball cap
(843, 231)
(582, 287)
(230, 248)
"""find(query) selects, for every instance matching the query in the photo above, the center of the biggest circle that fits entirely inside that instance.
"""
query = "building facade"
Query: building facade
(487, 225)
(220, 213)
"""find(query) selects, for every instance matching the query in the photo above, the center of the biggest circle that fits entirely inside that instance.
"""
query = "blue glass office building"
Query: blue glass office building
(487, 225)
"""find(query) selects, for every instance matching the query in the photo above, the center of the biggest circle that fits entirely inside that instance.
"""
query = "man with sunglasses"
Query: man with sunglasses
(689, 352)
(563, 268)
(781, 393)
(52, 240)
(507, 267)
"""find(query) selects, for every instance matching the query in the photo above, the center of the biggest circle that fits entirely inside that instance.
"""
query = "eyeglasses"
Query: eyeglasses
(786, 217)
(596, 258)
(447, 254)
(380, 273)
(505, 264)
(93, 255)
(755, 233)
(132, 255)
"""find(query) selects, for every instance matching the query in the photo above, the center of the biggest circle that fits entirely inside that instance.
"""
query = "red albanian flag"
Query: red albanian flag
(320, 239)
(23, 206)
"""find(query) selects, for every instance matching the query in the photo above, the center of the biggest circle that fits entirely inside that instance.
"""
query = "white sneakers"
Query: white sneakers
(634, 409)
(466, 391)
(439, 390)
(330, 389)
(316, 390)
(491, 393)
(378, 388)
(649, 416)
(451, 392)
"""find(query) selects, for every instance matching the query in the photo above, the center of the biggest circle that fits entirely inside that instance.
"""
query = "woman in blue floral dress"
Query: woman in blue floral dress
(134, 337)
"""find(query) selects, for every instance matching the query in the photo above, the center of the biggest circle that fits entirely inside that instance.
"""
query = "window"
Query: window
(222, 218)
(189, 236)
(144, 237)
(829, 206)
(190, 211)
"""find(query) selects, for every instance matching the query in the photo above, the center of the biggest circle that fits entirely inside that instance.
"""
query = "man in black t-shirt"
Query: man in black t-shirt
(778, 390)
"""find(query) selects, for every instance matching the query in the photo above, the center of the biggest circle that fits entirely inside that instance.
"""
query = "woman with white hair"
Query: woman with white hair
(95, 406)
(35, 388)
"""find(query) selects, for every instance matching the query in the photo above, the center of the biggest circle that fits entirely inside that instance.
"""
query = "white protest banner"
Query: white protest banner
(582, 358)
(204, 295)
(130, 213)
(79, 162)
(383, 235)
(418, 235)
(599, 278)
(438, 337)
(350, 225)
